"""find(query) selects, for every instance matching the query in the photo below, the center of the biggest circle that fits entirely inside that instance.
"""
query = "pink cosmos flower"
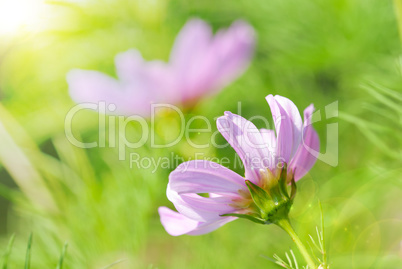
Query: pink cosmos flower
(270, 160)
(200, 64)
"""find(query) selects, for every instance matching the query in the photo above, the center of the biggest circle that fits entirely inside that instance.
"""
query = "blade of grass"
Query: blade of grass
(314, 243)
(8, 251)
(382, 99)
(324, 251)
(28, 254)
(115, 263)
(387, 91)
(289, 260)
(294, 259)
(369, 134)
(20, 167)
(63, 254)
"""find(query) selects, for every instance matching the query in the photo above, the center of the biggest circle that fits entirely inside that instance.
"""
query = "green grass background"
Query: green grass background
(318, 51)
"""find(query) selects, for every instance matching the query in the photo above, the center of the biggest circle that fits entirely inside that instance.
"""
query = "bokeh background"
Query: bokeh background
(318, 51)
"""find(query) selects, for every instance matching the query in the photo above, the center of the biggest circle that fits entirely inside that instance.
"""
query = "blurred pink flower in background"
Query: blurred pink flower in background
(200, 65)
(261, 151)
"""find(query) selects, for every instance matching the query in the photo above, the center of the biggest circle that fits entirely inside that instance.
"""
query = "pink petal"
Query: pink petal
(234, 49)
(192, 40)
(270, 139)
(203, 63)
(94, 87)
(247, 141)
(202, 176)
(201, 208)
(128, 64)
(153, 77)
(207, 227)
(175, 223)
(288, 125)
(193, 60)
(309, 147)
(161, 82)
(140, 84)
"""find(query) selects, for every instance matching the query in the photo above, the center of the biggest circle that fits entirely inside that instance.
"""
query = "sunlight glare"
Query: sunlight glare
(19, 15)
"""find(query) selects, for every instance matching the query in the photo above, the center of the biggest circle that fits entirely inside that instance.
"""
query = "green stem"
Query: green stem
(285, 225)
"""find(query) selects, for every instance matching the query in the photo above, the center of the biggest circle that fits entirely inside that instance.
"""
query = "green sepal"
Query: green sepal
(283, 184)
(261, 198)
(293, 189)
(244, 216)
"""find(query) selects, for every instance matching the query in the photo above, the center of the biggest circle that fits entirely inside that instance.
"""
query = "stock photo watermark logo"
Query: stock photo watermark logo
(139, 161)
(116, 128)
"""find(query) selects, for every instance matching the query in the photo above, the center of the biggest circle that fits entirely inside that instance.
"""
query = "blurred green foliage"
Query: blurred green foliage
(320, 51)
